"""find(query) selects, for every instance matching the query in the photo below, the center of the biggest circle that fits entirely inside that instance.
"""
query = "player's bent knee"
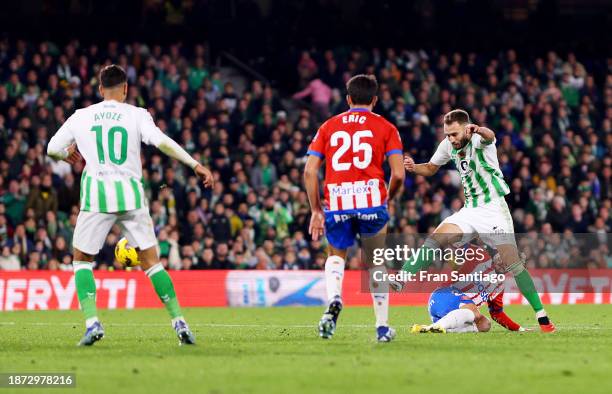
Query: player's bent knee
(77, 255)
(483, 324)
(473, 308)
(508, 252)
(148, 257)
(516, 268)
(447, 233)
(337, 252)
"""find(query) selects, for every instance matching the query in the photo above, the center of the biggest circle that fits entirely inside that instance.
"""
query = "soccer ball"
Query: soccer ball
(126, 254)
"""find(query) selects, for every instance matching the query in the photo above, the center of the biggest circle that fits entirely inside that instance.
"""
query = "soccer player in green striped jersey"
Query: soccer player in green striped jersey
(486, 214)
(109, 135)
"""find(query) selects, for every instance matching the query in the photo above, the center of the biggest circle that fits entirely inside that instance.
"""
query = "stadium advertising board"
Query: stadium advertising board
(42, 290)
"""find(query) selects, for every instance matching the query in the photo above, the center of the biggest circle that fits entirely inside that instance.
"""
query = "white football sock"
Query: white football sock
(334, 273)
(459, 318)
(89, 322)
(541, 313)
(380, 297)
(469, 328)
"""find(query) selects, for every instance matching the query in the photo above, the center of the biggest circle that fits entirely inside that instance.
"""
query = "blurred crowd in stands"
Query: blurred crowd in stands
(552, 116)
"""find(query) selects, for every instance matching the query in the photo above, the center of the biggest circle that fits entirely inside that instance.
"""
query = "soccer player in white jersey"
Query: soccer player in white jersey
(109, 136)
(472, 149)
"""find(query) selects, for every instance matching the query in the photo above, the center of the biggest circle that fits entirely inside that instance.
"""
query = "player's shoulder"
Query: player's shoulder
(478, 142)
(80, 113)
(475, 139)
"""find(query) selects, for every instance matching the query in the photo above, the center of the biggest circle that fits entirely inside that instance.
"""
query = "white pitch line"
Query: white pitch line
(12, 323)
(265, 326)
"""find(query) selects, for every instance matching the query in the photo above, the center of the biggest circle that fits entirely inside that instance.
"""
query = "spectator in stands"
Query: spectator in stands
(9, 260)
(320, 94)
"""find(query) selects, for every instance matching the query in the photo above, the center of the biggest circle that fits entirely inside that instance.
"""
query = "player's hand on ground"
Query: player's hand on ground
(471, 129)
(317, 223)
(409, 163)
(207, 177)
(73, 155)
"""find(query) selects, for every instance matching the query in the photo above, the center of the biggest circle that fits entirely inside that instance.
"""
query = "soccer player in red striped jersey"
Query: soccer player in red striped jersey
(455, 308)
(354, 146)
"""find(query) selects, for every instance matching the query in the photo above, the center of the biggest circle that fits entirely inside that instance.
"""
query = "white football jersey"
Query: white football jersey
(108, 135)
(478, 166)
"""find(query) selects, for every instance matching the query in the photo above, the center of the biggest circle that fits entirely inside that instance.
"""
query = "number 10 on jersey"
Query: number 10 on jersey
(112, 134)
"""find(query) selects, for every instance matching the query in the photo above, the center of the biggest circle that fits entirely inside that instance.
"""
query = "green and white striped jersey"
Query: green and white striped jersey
(478, 166)
(108, 135)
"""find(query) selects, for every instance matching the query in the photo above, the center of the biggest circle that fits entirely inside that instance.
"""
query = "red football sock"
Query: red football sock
(496, 309)
(505, 321)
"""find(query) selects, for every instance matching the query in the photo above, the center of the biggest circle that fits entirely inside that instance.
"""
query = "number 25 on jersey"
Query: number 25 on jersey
(346, 143)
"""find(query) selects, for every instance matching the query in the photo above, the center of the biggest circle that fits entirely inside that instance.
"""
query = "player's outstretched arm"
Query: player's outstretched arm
(152, 135)
(425, 169)
(397, 176)
(311, 182)
(168, 146)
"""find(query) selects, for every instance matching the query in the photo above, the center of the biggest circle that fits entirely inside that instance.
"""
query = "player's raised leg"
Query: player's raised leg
(443, 235)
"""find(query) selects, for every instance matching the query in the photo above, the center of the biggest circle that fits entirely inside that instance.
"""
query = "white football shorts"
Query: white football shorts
(492, 222)
(93, 227)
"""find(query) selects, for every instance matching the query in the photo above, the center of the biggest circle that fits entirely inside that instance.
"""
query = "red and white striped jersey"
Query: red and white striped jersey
(479, 292)
(354, 145)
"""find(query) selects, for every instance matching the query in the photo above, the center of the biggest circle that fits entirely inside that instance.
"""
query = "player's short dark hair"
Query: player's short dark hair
(456, 115)
(362, 89)
(112, 75)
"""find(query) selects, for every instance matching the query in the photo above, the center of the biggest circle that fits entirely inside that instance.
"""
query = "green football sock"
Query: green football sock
(423, 258)
(165, 289)
(527, 288)
(85, 287)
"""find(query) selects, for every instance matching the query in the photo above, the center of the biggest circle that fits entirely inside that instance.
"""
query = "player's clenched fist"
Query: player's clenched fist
(207, 177)
(409, 164)
(73, 155)
(471, 129)
(317, 225)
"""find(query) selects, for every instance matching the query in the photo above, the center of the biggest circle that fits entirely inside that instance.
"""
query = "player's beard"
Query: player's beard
(464, 142)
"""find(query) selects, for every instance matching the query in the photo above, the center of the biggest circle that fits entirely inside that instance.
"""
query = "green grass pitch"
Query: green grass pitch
(277, 350)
